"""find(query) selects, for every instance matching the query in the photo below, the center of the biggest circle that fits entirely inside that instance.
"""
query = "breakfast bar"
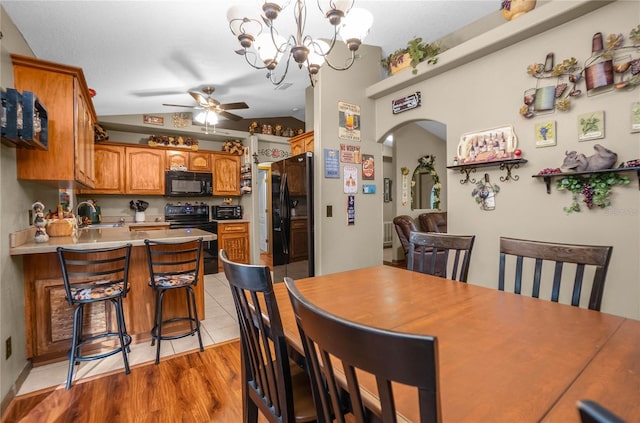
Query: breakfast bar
(48, 316)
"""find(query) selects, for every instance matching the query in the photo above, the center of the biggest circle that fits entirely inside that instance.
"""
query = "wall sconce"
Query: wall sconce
(255, 158)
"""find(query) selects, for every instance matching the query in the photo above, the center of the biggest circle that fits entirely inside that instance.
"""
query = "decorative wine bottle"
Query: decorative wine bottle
(598, 67)
(488, 195)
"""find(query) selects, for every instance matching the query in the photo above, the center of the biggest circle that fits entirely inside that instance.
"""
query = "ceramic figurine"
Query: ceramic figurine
(39, 222)
(602, 159)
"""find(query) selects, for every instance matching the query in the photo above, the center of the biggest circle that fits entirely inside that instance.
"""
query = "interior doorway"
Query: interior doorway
(264, 214)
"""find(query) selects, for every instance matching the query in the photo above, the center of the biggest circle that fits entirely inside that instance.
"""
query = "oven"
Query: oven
(196, 216)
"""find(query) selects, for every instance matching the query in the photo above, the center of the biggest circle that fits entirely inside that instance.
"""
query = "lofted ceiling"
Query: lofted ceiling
(138, 55)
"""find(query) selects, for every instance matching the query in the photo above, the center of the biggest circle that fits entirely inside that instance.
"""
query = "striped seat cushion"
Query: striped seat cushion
(173, 281)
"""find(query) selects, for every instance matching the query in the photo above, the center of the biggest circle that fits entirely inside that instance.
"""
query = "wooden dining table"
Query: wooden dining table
(502, 357)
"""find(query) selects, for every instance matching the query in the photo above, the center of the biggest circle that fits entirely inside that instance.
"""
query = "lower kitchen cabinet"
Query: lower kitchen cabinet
(299, 239)
(234, 239)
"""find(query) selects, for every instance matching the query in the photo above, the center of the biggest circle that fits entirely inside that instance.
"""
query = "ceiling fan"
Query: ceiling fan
(212, 105)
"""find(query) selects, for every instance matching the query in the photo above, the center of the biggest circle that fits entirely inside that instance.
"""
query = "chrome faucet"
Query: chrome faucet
(90, 204)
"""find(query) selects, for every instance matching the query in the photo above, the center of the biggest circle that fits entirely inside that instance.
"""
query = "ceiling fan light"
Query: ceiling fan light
(356, 25)
(200, 117)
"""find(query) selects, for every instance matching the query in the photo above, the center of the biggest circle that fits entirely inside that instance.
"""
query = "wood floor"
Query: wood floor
(193, 387)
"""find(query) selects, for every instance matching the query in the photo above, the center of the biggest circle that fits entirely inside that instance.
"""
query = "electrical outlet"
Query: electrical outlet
(8, 351)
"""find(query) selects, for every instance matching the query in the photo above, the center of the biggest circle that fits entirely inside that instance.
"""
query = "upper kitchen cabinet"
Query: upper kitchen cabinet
(144, 171)
(301, 143)
(109, 170)
(69, 161)
(194, 161)
(226, 173)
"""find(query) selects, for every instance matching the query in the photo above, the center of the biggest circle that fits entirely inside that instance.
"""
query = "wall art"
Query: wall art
(490, 145)
(368, 167)
(545, 135)
(635, 117)
(350, 175)
(331, 164)
(350, 153)
(591, 126)
(348, 121)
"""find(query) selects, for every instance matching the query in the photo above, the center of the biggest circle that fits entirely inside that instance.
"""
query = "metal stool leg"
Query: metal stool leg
(75, 340)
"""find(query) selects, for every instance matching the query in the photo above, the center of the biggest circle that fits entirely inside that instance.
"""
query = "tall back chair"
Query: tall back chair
(174, 266)
(91, 277)
(592, 412)
(271, 382)
(578, 256)
(404, 225)
(331, 343)
(435, 254)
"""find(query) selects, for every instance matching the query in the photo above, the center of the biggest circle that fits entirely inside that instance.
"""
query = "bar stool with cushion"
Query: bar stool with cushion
(271, 381)
(444, 255)
(174, 266)
(92, 279)
(359, 351)
(577, 258)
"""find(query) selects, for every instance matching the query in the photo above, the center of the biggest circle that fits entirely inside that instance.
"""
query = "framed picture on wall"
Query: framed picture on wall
(591, 126)
(635, 117)
(545, 134)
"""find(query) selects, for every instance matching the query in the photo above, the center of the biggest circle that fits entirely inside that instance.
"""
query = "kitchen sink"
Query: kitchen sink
(103, 225)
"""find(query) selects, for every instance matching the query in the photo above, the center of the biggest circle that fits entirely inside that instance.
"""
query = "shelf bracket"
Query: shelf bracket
(467, 171)
(547, 182)
(509, 166)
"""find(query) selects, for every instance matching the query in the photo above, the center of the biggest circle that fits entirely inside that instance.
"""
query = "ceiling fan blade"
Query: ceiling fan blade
(229, 116)
(234, 106)
(182, 105)
(199, 98)
(212, 102)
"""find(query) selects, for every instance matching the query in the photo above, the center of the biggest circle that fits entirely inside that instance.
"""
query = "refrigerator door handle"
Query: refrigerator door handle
(286, 213)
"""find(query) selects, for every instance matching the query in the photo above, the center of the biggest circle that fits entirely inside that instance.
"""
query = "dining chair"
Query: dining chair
(437, 253)
(272, 382)
(578, 258)
(174, 266)
(592, 412)
(338, 351)
(91, 277)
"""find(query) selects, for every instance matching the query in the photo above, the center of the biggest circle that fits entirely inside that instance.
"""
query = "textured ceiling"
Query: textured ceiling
(138, 55)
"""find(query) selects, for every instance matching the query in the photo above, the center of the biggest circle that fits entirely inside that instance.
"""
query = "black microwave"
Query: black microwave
(188, 184)
(226, 212)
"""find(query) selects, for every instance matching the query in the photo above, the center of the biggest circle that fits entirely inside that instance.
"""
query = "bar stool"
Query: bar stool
(90, 277)
(173, 266)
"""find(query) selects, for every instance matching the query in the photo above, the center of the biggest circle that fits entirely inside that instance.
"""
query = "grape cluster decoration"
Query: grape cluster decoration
(594, 189)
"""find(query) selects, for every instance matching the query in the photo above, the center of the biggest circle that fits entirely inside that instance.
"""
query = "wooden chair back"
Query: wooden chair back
(444, 255)
(270, 382)
(331, 343)
(538, 252)
(592, 412)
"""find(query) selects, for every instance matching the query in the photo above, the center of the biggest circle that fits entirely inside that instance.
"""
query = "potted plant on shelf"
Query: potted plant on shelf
(416, 51)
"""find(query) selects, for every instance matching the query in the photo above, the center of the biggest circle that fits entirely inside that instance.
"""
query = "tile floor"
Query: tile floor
(221, 324)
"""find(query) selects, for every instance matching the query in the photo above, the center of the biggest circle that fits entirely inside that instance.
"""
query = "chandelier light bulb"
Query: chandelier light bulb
(318, 49)
(271, 10)
(356, 25)
(269, 52)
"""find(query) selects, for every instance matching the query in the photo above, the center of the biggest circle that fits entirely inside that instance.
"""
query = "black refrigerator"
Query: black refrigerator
(292, 217)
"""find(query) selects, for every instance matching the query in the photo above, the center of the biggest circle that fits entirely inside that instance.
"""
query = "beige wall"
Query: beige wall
(486, 93)
(16, 199)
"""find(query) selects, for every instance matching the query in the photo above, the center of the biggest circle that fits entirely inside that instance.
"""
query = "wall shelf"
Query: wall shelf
(467, 169)
(547, 178)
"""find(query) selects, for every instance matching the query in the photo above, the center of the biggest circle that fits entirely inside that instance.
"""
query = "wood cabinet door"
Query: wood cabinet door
(297, 147)
(144, 172)
(299, 240)
(226, 174)
(234, 239)
(84, 149)
(301, 143)
(199, 161)
(176, 159)
(109, 170)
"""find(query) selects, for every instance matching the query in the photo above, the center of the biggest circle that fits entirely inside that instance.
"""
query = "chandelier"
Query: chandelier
(263, 46)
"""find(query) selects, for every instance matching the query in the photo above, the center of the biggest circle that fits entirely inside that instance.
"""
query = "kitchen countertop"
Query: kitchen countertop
(22, 242)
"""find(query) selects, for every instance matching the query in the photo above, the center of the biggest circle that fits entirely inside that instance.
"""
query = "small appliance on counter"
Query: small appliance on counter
(226, 212)
(90, 214)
